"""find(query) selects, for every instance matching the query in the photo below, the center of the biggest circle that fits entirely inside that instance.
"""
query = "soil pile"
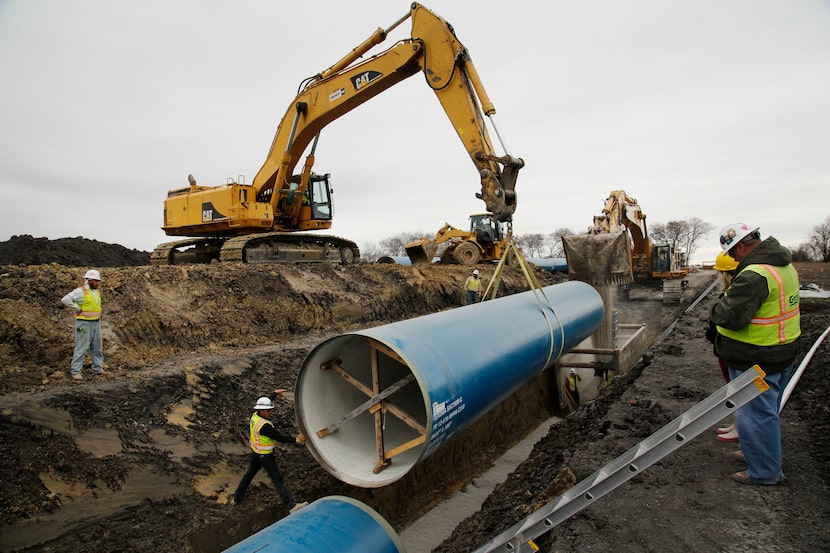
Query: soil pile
(70, 252)
(146, 458)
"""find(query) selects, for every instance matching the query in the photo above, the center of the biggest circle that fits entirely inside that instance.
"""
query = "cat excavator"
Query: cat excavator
(618, 251)
(259, 222)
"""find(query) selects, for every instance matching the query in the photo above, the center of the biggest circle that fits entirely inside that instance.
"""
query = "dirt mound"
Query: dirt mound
(70, 252)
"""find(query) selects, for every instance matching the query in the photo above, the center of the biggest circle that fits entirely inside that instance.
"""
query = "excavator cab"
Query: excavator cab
(310, 205)
(486, 229)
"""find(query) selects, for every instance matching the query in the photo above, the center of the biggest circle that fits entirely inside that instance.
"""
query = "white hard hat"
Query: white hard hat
(475, 272)
(573, 371)
(92, 274)
(734, 233)
(263, 404)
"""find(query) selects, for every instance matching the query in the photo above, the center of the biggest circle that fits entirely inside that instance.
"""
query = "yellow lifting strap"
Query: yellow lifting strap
(511, 252)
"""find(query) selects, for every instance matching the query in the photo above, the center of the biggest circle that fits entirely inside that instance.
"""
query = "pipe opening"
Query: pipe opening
(362, 409)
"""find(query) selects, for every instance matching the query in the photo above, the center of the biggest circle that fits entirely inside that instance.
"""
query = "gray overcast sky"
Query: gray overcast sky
(698, 108)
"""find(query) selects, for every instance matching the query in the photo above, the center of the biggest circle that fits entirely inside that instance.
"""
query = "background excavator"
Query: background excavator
(486, 240)
(618, 250)
(259, 222)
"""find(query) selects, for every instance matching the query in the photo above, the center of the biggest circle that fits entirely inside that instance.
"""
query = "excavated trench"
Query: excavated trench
(145, 459)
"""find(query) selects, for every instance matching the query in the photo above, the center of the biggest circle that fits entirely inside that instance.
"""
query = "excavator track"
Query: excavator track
(271, 247)
(282, 247)
(195, 250)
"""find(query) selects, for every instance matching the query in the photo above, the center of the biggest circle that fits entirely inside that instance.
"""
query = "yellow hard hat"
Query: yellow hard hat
(725, 262)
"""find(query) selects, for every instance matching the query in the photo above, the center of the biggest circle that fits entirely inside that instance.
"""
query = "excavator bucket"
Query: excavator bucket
(599, 259)
(421, 252)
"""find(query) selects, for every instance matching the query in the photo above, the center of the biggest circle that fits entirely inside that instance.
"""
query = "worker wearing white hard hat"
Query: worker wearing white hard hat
(87, 303)
(263, 438)
(572, 389)
(758, 323)
(472, 287)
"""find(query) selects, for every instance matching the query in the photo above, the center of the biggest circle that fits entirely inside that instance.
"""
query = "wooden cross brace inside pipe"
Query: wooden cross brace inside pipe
(377, 405)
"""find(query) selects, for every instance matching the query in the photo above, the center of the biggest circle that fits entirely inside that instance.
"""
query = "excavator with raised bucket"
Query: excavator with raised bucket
(618, 251)
(260, 222)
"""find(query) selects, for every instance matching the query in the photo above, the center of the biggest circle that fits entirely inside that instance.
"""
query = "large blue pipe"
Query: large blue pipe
(335, 524)
(453, 367)
(550, 264)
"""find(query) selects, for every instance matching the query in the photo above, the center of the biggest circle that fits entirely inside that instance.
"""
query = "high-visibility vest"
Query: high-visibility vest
(473, 284)
(259, 443)
(778, 320)
(571, 383)
(90, 306)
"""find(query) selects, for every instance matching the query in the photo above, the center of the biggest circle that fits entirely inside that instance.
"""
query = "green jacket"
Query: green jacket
(738, 306)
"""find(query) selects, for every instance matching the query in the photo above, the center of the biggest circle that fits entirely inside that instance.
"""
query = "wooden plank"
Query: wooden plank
(401, 414)
(378, 414)
(387, 351)
(365, 406)
(406, 447)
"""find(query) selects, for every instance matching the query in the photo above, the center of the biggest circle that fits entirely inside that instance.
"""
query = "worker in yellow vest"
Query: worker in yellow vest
(263, 438)
(572, 387)
(472, 287)
(87, 303)
(758, 322)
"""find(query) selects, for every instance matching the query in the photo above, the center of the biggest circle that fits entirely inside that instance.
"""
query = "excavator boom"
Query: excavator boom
(279, 201)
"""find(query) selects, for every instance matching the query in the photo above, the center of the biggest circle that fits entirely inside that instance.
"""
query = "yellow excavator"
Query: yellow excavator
(618, 250)
(485, 241)
(259, 222)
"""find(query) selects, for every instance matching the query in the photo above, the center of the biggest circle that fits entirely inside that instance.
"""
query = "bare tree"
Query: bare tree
(531, 244)
(697, 229)
(369, 253)
(658, 234)
(394, 245)
(819, 241)
(803, 252)
(553, 241)
(684, 236)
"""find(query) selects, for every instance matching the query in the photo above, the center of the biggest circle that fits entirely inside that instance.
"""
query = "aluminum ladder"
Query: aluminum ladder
(519, 538)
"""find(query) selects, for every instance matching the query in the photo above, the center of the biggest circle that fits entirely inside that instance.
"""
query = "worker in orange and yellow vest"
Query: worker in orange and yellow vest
(758, 322)
(263, 438)
(87, 303)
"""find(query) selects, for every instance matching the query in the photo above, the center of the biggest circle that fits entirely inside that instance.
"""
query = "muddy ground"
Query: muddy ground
(145, 458)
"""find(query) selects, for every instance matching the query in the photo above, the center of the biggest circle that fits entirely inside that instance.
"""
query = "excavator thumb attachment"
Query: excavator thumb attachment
(421, 251)
(599, 259)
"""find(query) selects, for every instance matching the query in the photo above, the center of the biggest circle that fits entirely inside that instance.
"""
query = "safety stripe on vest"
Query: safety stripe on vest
(256, 441)
(784, 316)
(87, 314)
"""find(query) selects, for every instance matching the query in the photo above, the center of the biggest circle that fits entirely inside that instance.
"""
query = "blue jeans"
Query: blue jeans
(760, 431)
(472, 296)
(88, 339)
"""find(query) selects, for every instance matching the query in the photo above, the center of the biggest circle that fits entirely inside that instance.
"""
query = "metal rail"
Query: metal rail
(723, 402)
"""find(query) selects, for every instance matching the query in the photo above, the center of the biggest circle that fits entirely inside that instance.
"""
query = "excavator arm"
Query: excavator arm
(448, 70)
